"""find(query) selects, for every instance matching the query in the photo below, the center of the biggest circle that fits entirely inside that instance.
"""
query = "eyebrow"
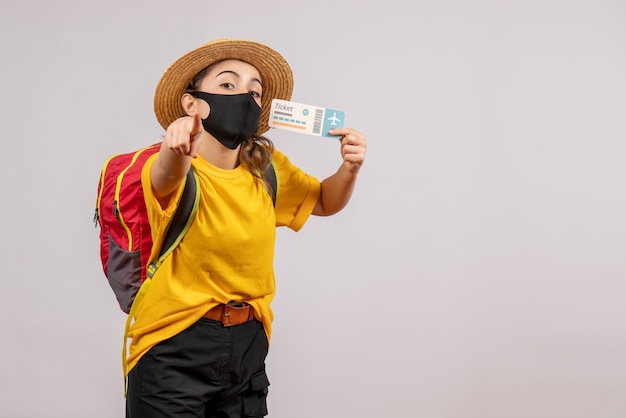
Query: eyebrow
(236, 75)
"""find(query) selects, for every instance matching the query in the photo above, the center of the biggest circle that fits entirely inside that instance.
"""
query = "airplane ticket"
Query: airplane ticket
(307, 119)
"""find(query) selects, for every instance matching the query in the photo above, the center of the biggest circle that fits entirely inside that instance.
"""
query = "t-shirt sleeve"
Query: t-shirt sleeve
(297, 193)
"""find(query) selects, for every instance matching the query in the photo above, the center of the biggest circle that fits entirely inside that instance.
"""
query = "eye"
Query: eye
(228, 85)
(255, 94)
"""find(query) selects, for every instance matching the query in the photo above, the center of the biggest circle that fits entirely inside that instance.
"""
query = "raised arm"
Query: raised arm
(337, 189)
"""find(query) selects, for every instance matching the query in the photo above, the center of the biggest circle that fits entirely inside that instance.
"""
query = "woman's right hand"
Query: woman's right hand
(182, 136)
(181, 140)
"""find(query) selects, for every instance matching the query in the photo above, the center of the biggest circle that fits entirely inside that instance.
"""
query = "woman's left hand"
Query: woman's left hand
(353, 147)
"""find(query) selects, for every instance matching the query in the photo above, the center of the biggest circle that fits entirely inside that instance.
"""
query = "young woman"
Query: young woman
(200, 334)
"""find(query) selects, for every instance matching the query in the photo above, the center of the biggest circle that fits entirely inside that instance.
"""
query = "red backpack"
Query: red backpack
(125, 236)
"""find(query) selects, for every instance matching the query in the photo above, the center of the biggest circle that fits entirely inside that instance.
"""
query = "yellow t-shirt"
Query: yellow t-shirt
(227, 253)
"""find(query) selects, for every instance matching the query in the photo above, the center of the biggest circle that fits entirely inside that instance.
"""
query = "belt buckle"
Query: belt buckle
(226, 315)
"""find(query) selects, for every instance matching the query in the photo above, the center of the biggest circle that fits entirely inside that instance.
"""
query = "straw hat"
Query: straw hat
(275, 74)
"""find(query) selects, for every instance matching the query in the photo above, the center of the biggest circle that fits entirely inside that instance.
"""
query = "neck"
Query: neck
(218, 155)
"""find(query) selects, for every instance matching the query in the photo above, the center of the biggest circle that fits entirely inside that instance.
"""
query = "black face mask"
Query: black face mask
(233, 117)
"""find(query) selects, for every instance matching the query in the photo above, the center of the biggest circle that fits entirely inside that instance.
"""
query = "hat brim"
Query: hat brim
(274, 70)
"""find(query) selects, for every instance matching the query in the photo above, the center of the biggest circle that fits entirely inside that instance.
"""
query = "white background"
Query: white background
(479, 270)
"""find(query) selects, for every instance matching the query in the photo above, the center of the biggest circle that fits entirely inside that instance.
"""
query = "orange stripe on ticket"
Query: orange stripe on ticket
(289, 124)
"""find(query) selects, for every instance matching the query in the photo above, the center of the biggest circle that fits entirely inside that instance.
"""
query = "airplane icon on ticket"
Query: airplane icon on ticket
(334, 119)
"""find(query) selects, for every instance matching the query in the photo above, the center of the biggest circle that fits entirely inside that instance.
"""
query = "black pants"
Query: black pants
(206, 371)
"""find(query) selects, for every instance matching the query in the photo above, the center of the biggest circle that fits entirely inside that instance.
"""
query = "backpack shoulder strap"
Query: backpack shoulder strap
(272, 177)
(181, 220)
(183, 216)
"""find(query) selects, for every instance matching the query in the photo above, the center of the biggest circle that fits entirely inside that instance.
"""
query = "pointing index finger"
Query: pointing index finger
(197, 124)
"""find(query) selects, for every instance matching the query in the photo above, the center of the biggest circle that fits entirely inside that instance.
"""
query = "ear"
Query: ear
(189, 104)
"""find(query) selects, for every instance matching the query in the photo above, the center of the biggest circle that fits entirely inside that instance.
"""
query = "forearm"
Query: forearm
(168, 171)
(336, 191)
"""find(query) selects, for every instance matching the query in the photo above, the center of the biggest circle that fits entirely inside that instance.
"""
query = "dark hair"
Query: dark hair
(255, 152)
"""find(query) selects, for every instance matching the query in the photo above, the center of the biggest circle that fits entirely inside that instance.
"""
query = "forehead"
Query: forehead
(239, 67)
